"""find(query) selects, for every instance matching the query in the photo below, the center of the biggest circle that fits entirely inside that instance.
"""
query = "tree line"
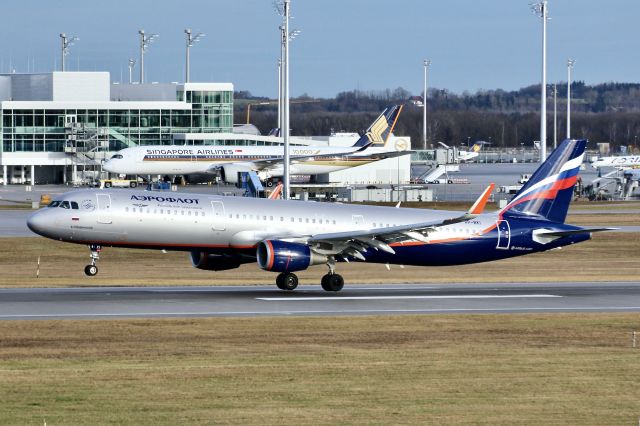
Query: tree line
(601, 113)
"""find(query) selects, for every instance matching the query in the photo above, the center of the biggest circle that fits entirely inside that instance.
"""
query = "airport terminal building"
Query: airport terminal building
(59, 127)
(53, 123)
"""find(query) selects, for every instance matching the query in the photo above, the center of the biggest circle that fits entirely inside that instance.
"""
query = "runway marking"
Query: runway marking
(463, 296)
(319, 312)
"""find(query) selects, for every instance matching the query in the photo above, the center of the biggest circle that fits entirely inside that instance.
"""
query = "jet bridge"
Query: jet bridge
(440, 162)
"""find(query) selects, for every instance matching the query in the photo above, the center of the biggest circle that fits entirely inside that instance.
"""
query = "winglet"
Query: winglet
(481, 202)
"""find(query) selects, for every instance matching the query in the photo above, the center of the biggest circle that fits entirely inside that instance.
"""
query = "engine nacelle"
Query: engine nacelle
(282, 256)
(229, 172)
(214, 262)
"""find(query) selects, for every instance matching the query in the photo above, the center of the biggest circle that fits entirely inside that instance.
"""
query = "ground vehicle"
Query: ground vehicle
(118, 183)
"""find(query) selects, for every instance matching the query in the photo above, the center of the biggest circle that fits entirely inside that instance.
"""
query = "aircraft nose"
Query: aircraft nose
(37, 223)
(108, 166)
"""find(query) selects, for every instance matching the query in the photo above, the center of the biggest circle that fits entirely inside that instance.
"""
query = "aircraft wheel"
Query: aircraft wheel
(91, 270)
(107, 184)
(287, 281)
(332, 282)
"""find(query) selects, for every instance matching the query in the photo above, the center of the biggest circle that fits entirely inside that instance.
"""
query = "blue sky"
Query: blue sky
(344, 44)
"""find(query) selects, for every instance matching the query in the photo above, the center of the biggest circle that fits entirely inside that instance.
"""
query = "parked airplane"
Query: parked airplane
(267, 161)
(620, 162)
(288, 236)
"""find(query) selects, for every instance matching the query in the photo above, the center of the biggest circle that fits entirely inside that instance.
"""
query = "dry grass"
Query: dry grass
(479, 369)
(608, 257)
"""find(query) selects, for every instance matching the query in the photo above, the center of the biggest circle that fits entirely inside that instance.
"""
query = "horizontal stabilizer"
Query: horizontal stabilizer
(576, 231)
(545, 236)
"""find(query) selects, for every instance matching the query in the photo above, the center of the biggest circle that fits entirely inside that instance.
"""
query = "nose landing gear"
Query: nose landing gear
(91, 270)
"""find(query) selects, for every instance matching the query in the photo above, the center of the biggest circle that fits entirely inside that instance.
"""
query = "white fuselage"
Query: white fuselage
(626, 161)
(186, 160)
(186, 221)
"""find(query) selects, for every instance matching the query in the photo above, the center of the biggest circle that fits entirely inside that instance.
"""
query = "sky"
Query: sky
(343, 45)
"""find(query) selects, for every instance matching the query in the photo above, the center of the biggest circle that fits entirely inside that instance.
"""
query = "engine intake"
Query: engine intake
(282, 256)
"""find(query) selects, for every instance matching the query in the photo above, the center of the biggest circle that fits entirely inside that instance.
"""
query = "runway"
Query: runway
(254, 301)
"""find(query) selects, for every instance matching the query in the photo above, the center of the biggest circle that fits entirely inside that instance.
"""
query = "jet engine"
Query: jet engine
(229, 172)
(282, 256)
(215, 262)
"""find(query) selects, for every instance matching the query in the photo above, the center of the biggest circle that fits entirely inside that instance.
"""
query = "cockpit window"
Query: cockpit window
(54, 204)
(116, 156)
(74, 205)
(65, 205)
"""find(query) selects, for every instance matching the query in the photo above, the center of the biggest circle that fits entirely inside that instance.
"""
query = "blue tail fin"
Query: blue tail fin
(381, 129)
(550, 189)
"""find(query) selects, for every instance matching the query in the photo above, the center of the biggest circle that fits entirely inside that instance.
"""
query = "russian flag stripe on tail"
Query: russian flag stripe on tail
(550, 189)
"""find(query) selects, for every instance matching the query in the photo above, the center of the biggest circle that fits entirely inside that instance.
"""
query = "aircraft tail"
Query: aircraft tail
(382, 127)
(550, 188)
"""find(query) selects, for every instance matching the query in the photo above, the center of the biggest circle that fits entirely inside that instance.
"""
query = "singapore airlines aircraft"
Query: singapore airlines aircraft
(288, 236)
(267, 161)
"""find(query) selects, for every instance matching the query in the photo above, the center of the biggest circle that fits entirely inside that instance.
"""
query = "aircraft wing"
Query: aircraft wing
(352, 243)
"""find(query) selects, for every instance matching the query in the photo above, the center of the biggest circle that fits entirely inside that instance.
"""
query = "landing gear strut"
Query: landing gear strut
(287, 281)
(332, 281)
(91, 270)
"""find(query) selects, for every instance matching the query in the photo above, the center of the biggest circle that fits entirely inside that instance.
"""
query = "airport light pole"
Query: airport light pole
(426, 63)
(145, 41)
(191, 39)
(279, 95)
(555, 116)
(132, 63)
(66, 43)
(541, 10)
(570, 63)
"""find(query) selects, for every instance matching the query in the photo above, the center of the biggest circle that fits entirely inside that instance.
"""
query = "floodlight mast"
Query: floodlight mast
(426, 63)
(570, 63)
(132, 63)
(191, 40)
(145, 41)
(66, 43)
(541, 10)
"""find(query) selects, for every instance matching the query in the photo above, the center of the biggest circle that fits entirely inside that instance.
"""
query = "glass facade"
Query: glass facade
(53, 130)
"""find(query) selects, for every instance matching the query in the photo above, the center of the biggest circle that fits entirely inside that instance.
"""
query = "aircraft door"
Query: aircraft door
(104, 208)
(218, 216)
(504, 235)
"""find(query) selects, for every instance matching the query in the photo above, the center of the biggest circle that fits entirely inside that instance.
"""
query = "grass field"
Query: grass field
(608, 257)
(474, 369)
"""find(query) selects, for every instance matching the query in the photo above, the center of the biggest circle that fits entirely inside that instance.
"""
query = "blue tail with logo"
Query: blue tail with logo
(550, 189)
(381, 129)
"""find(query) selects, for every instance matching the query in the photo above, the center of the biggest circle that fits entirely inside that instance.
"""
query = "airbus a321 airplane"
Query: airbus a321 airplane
(266, 161)
(288, 236)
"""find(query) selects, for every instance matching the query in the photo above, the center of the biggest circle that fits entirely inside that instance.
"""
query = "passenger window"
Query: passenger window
(306, 220)
(189, 213)
(281, 219)
(270, 217)
(126, 209)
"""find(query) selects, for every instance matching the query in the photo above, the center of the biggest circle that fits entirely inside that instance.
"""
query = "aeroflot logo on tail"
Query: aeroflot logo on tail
(165, 199)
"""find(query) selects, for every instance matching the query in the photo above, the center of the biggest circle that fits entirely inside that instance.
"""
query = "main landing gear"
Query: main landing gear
(330, 282)
(287, 281)
(91, 270)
